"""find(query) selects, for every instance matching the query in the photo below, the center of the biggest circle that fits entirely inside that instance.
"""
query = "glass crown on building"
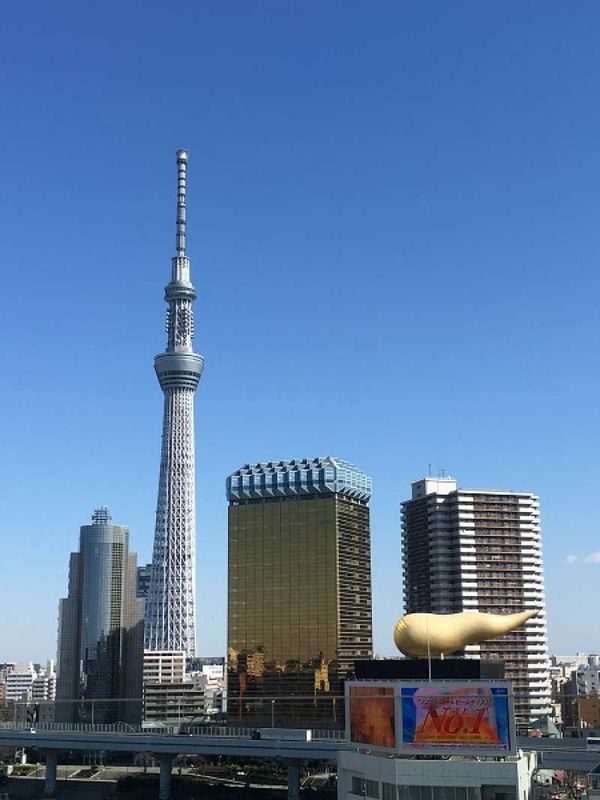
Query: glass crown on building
(298, 477)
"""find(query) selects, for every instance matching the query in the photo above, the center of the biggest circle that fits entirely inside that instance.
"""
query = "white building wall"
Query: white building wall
(164, 666)
(468, 773)
(537, 686)
(19, 682)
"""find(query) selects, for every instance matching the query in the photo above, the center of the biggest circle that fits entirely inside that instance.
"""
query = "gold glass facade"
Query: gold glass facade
(299, 604)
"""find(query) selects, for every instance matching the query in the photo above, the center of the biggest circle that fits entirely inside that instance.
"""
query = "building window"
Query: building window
(372, 789)
(388, 791)
(356, 785)
(429, 793)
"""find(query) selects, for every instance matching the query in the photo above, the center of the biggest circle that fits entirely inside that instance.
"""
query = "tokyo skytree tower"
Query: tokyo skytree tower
(170, 609)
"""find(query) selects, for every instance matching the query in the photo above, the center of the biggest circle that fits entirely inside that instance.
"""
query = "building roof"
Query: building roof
(304, 476)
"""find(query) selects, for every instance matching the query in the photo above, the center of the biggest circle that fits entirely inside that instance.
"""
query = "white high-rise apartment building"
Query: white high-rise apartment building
(19, 682)
(480, 550)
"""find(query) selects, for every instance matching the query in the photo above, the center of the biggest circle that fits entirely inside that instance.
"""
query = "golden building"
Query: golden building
(299, 587)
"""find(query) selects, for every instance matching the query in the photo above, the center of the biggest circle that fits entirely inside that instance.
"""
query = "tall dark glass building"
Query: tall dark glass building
(143, 580)
(100, 635)
(299, 587)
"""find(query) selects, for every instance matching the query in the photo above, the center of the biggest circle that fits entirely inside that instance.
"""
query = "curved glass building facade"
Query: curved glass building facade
(101, 628)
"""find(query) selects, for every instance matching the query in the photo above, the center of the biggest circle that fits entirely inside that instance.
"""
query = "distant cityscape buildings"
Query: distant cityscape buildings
(299, 583)
(576, 692)
(28, 682)
(479, 550)
(298, 588)
(100, 635)
(170, 602)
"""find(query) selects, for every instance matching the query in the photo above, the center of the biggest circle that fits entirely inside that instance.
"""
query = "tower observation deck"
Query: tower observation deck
(170, 609)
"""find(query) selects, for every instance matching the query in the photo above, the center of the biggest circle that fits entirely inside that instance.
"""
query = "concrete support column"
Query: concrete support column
(166, 763)
(293, 780)
(50, 782)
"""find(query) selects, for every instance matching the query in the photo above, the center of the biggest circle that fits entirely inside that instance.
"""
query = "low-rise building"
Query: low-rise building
(171, 695)
(587, 713)
(209, 674)
(444, 739)
(587, 678)
(43, 688)
(173, 703)
(362, 775)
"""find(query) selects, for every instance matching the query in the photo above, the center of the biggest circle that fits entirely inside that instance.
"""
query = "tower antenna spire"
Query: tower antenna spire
(182, 158)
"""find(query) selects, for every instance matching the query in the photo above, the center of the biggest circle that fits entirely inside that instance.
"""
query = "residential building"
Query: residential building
(173, 703)
(44, 684)
(587, 713)
(299, 586)
(5, 668)
(19, 682)
(570, 663)
(100, 640)
(170, 694)
(479, 550)
(209, 674)
(575, 689)
(587, 677)
(569, 714)
(164, 666)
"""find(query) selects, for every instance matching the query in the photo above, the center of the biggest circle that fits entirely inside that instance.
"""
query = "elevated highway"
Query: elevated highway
(164, 745)
(229, 742)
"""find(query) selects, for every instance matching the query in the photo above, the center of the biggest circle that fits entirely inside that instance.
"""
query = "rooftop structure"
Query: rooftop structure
(304, 476)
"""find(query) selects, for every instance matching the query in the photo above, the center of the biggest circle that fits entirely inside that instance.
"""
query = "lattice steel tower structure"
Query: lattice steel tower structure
(170, 608)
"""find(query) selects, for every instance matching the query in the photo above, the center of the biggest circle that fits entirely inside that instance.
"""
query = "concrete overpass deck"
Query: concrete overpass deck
(165, 745)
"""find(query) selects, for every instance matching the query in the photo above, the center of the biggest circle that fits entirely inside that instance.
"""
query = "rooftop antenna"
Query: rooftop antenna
(182, 158)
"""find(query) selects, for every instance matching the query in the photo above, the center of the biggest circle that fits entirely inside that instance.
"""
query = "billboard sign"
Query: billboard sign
(373, 714)
(438, 717)
(432, 718)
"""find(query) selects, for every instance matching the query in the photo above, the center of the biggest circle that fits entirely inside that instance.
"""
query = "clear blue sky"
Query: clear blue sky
(394, 234)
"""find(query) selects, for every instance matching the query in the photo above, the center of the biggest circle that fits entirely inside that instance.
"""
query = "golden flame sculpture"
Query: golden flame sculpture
(439, 634)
